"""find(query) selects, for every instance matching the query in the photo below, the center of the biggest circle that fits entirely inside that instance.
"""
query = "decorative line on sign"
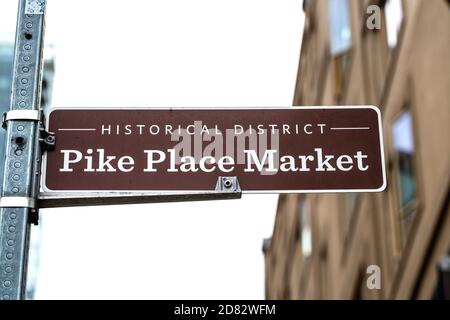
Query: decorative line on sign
(351, 128)
(77, 129)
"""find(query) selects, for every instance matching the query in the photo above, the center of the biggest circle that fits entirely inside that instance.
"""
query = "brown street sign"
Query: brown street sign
(297, 149)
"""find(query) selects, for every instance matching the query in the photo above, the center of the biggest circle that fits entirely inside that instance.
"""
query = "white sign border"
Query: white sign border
(186, 192)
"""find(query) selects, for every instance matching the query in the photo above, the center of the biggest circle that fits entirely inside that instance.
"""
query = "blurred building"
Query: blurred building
(326, 246)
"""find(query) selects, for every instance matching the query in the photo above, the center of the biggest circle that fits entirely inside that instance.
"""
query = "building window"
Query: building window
(340, 63)
(404, 149)
(393, 11)
(340, 41)
(442, 291)
(304, 211)
(405, 178)
(323, 276)
(350, 200)
(340, 31)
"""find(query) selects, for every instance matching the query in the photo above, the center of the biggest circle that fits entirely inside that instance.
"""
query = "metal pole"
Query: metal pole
(22, 150)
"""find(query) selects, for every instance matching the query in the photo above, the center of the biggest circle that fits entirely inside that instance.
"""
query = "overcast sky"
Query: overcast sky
(172, 53)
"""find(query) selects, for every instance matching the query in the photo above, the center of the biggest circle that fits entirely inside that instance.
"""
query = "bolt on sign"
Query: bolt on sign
(297, 149)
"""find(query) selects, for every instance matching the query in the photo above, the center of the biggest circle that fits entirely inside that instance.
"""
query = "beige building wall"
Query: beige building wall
(350, 232)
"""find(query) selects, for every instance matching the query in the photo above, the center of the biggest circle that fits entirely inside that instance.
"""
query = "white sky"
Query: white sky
(201, 53)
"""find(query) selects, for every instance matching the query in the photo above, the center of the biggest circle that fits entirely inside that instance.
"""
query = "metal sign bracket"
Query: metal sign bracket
(46, 139)
(226, 188)
(228, 184)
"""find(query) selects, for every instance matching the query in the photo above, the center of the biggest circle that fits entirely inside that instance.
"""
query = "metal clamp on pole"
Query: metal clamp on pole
(17, 202)
(46, 138)
(21, 115)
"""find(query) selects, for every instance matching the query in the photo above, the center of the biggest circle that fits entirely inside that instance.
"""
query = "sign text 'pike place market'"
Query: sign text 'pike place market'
(304, 149)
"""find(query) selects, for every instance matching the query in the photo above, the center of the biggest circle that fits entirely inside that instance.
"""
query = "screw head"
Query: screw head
(227, 183)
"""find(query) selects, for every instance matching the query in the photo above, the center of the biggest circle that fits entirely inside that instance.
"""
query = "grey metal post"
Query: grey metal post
(22, 150)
